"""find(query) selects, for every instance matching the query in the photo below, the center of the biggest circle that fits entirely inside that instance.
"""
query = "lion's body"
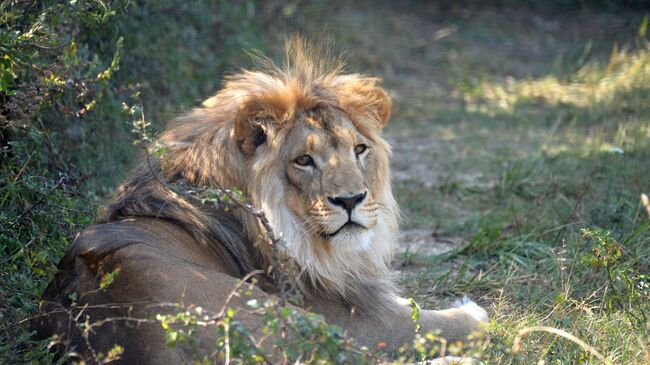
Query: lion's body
(303, 142)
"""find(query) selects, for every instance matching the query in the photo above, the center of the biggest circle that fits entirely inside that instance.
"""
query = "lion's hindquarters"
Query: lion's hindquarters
(112, 294)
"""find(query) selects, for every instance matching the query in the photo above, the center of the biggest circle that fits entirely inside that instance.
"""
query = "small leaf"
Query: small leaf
(73, 296)
(107, 279)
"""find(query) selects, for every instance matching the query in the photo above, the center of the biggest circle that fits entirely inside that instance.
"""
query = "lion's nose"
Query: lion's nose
(348, 202)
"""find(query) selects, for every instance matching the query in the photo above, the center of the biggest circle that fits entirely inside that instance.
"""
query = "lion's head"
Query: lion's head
(304, 142)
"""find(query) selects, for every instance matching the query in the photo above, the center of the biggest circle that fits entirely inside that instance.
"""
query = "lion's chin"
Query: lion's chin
(353, 238)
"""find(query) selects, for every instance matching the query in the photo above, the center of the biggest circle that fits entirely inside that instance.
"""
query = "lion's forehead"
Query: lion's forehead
(334, 135)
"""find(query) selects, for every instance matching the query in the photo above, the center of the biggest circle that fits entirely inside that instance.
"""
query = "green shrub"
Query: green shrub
(65, 70)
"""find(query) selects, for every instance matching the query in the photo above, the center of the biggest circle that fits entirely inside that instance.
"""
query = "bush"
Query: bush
(65, 71)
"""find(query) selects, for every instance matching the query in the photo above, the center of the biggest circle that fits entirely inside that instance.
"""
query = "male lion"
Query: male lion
(303, 142)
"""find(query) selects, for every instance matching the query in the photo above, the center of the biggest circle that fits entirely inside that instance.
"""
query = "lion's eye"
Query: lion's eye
(360, 148)
(304, 160)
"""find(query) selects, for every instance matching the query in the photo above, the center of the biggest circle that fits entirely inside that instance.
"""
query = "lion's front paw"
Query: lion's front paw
(472, 309)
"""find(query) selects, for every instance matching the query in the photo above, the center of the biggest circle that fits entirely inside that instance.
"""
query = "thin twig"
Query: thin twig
(234, 292)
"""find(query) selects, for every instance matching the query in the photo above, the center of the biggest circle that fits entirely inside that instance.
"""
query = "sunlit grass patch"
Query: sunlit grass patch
(620, 86)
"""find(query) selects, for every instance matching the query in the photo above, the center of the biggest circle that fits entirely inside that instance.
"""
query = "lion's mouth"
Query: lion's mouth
(349, 225)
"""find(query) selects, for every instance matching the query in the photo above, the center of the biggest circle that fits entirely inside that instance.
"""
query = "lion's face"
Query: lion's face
(314, 161)
(332, 172)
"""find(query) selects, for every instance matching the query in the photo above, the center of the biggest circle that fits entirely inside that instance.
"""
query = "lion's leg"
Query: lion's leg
(454, 323)
(395, 328)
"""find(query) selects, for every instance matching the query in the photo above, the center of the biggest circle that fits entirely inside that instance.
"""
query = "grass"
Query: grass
(521, 140)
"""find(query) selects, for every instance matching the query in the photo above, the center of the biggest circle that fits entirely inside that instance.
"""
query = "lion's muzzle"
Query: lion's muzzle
(348, 202)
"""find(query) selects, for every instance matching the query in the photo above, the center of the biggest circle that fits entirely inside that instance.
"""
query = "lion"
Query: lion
(303, 142)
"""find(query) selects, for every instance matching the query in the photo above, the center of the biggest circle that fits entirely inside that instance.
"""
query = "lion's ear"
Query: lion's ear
(362, 97)
(254, 120)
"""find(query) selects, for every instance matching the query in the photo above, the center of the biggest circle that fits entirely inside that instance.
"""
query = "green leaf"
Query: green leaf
(107, 279)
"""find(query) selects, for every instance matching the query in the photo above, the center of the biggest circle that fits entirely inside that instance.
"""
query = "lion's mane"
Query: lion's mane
(205, 147)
